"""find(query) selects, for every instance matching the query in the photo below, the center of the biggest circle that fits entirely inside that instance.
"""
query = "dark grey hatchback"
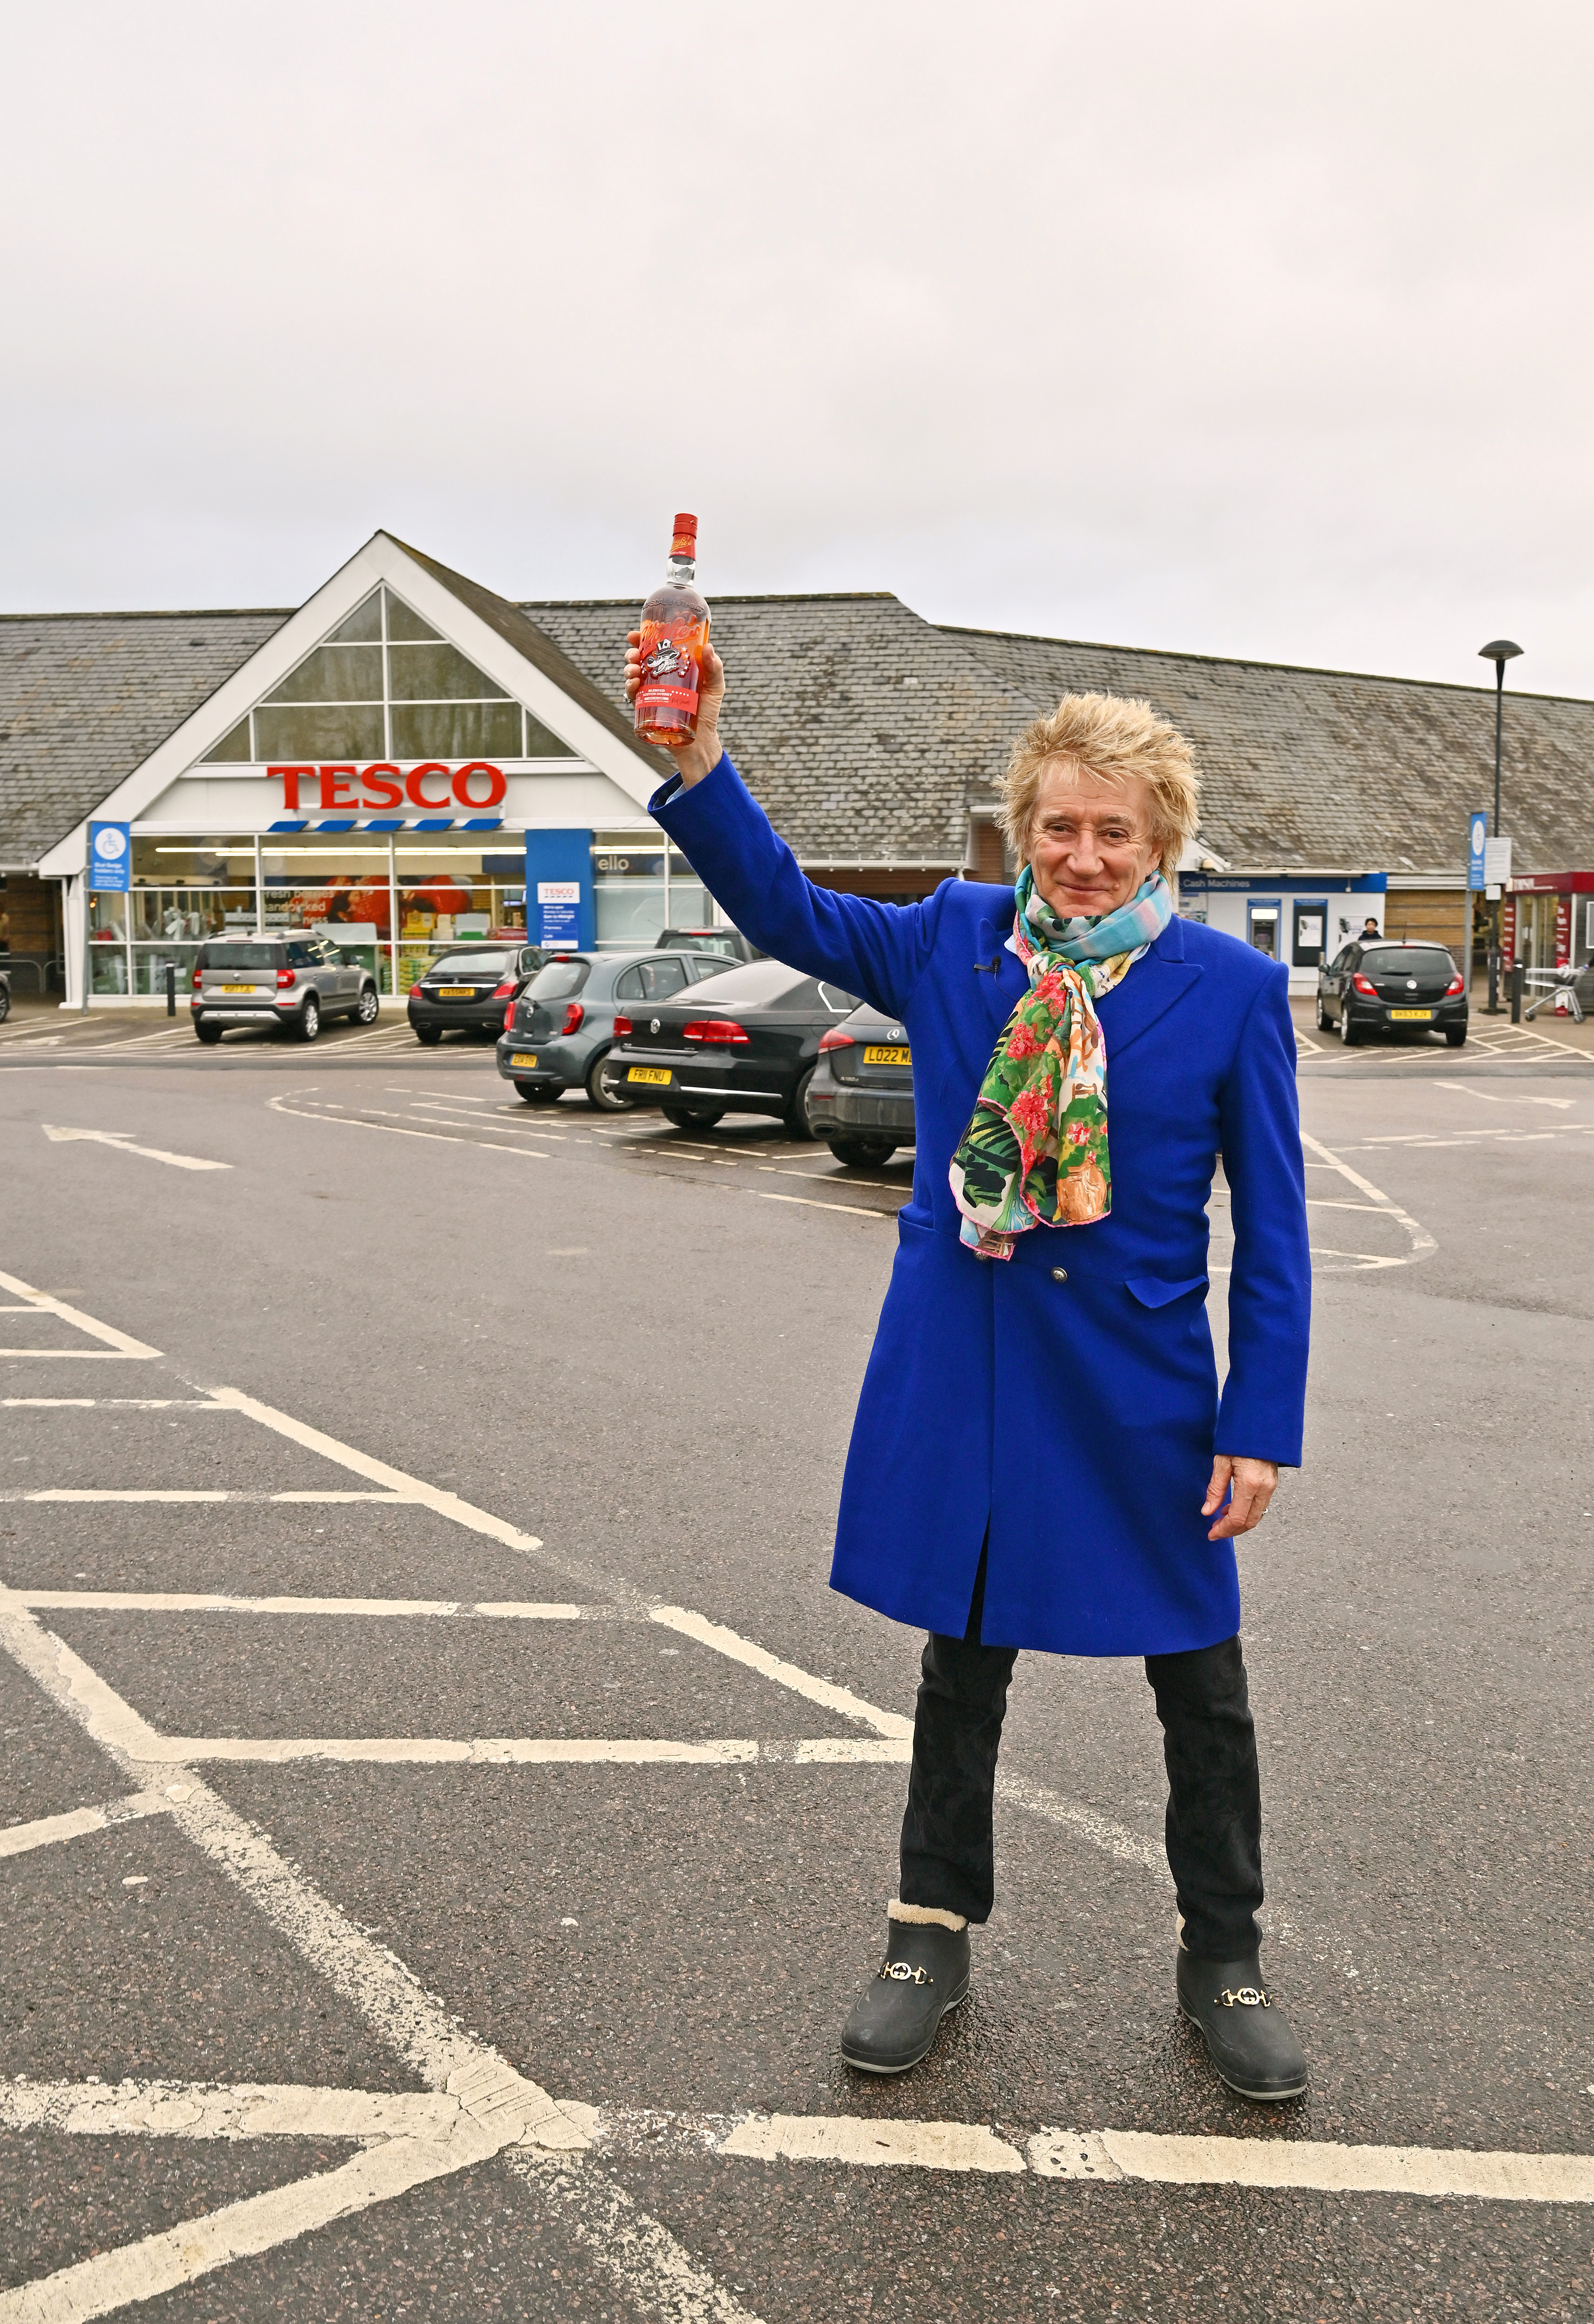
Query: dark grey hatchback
(860, 1098)
(746, 1043)
(1392, 988)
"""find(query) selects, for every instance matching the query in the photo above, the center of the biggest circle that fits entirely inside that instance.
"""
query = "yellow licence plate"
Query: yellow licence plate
(1424, 1015)
(657, 1074)
(456, 991)
(520, 1057)
(237, 987)
(878, 1056)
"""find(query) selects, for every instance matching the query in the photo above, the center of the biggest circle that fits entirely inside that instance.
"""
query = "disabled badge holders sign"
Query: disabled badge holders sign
(110, 858)
(1477, 835)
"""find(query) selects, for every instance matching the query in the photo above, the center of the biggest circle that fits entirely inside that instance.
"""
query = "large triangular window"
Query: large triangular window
(384, 685)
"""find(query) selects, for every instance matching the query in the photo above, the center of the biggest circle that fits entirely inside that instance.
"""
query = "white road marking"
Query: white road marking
(423, 1751)
(178, 1602)
(120, 1344)
(504, 2107)
(120, 1141)
(378, 1472)
(1487, 1097)
(846, 2138)
(738, 1649)
(18, 1839)
(233, 2111)
(123, 1403)
(393, 1130)
(1317, 2164)
(807, 1203)
(185, 1493)
(1421, 1241)
(1111, 1838)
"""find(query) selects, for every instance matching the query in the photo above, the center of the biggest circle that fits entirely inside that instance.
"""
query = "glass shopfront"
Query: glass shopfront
(391, 903)
(640, 886)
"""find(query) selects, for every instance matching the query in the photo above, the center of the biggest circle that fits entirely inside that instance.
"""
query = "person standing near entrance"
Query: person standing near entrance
(1370, 932)
(1041, 1457)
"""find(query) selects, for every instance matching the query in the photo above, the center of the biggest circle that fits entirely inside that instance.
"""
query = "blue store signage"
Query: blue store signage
(110, 858)
(1477, 833)
(559, 913)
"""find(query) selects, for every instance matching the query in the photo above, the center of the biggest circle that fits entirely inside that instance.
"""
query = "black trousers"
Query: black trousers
(1214, 1817)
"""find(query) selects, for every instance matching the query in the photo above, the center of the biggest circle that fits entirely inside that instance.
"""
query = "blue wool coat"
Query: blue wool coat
(1064, 1402)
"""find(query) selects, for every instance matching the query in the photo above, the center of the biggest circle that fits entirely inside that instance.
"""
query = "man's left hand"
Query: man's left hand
(1251, 1484)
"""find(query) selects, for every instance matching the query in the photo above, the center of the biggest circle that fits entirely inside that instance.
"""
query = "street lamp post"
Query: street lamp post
(1500, 651)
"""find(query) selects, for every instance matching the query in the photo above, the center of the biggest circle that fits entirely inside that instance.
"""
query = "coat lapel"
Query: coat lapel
(1001, 992)
(1151, 986)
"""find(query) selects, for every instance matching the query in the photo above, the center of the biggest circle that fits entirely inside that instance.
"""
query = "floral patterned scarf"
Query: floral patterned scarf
(1034, 1152)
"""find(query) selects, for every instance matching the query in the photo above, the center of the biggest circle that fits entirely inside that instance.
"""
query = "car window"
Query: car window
(240, 956)
(700, 964)
(528, 959)
(1341, 959)
(558, 980)
(327, 948)
(660, 978)
(478, 963)
(839, 1003)
(1410, 960)
(628, 984)
(301, 955)
(760, 982)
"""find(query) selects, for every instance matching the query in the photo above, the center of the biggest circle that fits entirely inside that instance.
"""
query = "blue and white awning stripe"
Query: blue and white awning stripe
(391, 823)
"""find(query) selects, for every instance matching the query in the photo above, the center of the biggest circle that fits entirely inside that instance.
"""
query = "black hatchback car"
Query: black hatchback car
(469, 989)
(1386, 987)
(747, 1042)
(860, 1098)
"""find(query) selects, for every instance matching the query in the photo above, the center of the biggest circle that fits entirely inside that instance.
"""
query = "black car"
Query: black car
(745, 1043)
(558, 1033)
(1387, 986)
(860, 1098)
(471, 988)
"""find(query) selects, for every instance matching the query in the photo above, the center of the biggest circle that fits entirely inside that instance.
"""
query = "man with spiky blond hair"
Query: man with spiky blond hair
(1041, 1456)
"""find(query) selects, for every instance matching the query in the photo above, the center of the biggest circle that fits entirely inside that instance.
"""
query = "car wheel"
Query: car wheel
(861, 1152)
(606, 1094)
(4, 1002)
(368, 1005)
(1455, 1037)
(538, 1093)
(209, 1034)
(796, 1116)
(429, 1035)
(309, 1019)
(1324, 1021)
(693, 1117)
(1348, 1033)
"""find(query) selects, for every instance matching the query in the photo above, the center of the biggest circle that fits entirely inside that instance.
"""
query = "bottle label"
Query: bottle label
(672, 655)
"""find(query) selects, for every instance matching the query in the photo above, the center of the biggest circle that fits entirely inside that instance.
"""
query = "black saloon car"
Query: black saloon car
(469, 989)
(1382, 986)
(860, 1098)
(745, 1043)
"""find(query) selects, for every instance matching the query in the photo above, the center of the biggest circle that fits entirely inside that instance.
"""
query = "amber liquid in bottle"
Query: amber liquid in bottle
(675, 631)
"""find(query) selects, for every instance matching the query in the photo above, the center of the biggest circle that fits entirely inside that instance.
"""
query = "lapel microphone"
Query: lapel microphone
(988, 967)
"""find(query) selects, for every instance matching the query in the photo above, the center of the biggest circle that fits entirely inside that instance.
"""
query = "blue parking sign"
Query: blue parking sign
(1477, 833)
(110, 858)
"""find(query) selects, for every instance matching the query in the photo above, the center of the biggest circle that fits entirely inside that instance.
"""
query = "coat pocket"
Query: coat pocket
(1151, 1291)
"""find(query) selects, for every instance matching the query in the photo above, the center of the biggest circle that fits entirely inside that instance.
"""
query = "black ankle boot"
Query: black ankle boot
(896, 2017)
(1247, 2034)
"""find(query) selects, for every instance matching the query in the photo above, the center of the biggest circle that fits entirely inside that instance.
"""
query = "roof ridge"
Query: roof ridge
(157, 613)
(1250, 661)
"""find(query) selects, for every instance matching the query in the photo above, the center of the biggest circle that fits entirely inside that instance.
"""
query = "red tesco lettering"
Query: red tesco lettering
(496, 784)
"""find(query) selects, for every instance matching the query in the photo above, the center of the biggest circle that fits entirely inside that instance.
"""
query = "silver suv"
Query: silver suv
(294, 980)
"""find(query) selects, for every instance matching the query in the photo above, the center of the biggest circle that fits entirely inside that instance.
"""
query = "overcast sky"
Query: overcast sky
(1243, 329)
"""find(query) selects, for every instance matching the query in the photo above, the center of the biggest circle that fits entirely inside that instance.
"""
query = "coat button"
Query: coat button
(1059, 1275)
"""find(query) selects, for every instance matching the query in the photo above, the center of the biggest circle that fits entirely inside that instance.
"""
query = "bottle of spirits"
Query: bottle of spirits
(675, 631)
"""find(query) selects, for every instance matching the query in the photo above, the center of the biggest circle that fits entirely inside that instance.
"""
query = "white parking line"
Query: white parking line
(394, 1130)
(117, 1344)
(235, 2111)
(181, 1602)
(807, 1203)
(121, 1403)
(45, 1831)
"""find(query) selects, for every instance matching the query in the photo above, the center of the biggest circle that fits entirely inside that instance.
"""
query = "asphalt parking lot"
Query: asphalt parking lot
(445, 1815)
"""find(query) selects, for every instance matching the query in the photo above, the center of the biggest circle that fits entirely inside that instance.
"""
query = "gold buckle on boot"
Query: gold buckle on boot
(899, 1973)
(1243, 1996)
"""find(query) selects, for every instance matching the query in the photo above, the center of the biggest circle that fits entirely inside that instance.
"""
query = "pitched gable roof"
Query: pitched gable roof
(1313, 768)
(84, 696)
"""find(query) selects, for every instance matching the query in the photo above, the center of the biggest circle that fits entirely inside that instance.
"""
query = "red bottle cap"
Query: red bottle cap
(687, 524)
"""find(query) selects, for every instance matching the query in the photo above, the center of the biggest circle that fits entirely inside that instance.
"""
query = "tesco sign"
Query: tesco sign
(431, 785)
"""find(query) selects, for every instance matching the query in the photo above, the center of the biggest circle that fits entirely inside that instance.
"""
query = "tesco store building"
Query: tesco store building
(407, 762)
